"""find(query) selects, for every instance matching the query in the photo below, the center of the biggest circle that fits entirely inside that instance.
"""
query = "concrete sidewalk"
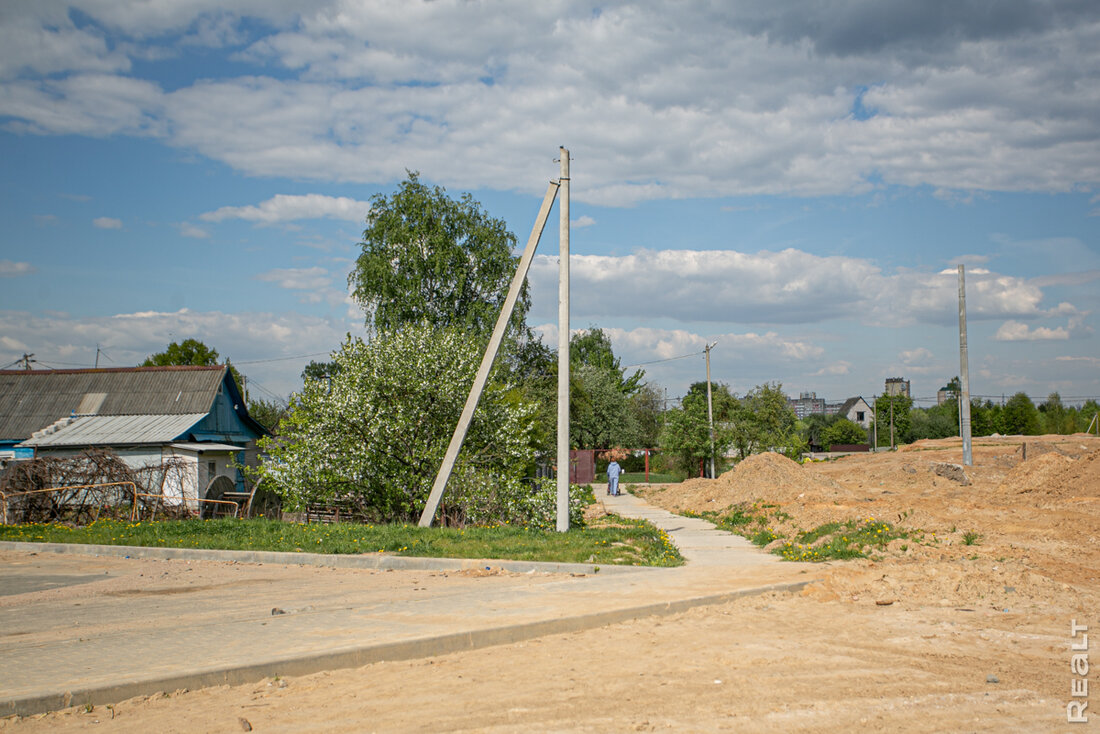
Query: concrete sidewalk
(78, 629)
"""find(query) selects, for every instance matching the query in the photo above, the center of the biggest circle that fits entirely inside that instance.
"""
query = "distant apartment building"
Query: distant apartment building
(807, 403)
(897, 386)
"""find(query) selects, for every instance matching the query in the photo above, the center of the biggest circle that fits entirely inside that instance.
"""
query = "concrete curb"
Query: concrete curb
(368, 560)
(365, 655)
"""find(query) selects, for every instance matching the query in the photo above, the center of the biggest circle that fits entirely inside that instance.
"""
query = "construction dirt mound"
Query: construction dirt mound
(1055, 476)
(764, 478)
(1002, 533)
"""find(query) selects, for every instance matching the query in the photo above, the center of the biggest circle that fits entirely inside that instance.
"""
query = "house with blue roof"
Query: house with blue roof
(193, 418)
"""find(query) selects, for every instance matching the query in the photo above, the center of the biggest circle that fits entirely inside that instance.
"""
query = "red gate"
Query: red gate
(582, 466)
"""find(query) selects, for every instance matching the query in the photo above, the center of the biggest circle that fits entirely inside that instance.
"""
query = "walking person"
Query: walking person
(613, 472)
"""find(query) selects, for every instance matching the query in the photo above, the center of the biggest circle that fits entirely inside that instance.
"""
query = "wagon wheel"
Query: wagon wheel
(263, 502)
(217, 489)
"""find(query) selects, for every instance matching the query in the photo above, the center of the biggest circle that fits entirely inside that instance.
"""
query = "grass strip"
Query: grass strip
(827, 542)
(615, 541)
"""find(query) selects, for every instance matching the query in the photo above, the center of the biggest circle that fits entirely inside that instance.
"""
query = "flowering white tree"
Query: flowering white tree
(375, 431)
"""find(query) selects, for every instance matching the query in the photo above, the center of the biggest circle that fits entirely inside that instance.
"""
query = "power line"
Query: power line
(657, 361)
(279, 398)
(281, 359)
(70, 364)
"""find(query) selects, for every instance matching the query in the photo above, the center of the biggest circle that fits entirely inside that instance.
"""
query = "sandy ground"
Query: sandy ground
(938, 636)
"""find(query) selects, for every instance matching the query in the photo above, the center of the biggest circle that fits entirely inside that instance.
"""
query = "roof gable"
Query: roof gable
(32, 400)
(850, 403)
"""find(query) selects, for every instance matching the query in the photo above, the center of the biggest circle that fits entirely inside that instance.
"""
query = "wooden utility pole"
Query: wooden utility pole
(563, 346)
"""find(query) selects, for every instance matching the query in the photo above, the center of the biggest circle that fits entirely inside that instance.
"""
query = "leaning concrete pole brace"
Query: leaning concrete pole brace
(563, 348)
(482, 377)
(964, 375)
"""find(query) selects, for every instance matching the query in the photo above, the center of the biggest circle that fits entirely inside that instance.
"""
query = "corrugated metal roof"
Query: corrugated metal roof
(32, 400)
(118, 430)
(194, 446)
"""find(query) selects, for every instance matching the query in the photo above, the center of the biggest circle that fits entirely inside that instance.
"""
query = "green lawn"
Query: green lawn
(616, 541)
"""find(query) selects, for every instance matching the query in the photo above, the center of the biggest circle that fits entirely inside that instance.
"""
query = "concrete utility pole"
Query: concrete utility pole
(563, 347)
(964, 375)
(482, 376)
(892, 422)
(710, 410)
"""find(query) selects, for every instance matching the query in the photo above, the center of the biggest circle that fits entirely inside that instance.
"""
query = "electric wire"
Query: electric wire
(657, 361)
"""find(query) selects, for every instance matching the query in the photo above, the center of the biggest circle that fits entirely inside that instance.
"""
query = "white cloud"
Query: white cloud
(107, 223)
(916, 356)
(30, 46)
(288, 208)
(918, 361)
(641, 93)
(909, 297)
(190, 230)
(585, 221)
(96, 105)
(12, 269)
(711, 285)
(131, 337)
(971, 271)
(674, 357)
(1079, 278)
(298, 278)
(316, 286)
(1015, 331)
(786, 287)
(1090, 361)
(970, 261)
(837, 368)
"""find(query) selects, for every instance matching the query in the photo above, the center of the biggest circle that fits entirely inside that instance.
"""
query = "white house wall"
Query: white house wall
(853, 414)
(182, 485)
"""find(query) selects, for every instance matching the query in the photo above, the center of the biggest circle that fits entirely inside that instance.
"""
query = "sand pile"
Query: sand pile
(1035, 474)
(767, 478)
(1054, 476)
(982, 583)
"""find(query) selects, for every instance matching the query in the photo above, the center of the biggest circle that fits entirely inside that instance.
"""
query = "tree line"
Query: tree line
(370, 425)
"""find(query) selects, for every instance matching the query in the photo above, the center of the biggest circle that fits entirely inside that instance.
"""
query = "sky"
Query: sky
(797, 183)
